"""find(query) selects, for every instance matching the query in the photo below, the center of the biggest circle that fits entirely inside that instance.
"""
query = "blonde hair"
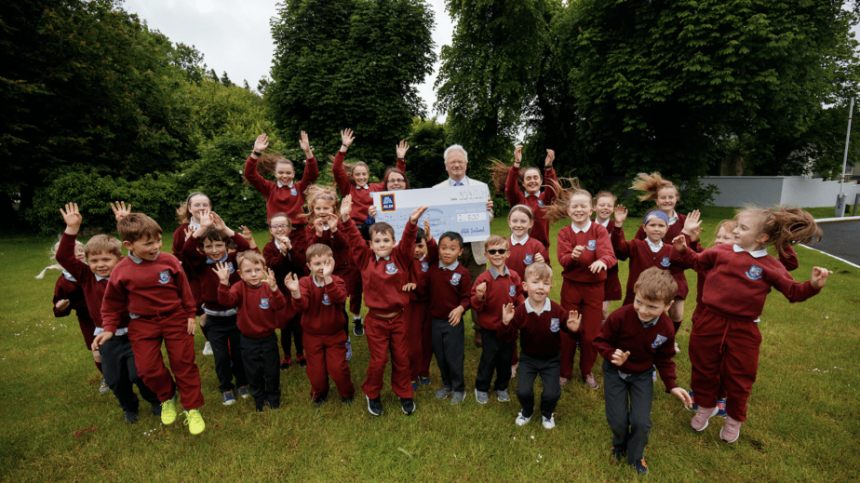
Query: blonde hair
(729, 225)
(318, 250)
(651, 185)
(559, 209)
(103, 244)
(316, 192)
(524, 210)
(785, 226)
(657, 285)
(605, 194)
(250, 256)
(494, 240)
(539, 270)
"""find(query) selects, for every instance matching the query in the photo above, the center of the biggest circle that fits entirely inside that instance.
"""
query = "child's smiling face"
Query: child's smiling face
(360, 175)
(252, 273)
(579, 209)
(197, 205)
(532, 180)
(667, 198)
(284, 172)
(279, 226)
(520, 224)
(604, 208)
(538, 290)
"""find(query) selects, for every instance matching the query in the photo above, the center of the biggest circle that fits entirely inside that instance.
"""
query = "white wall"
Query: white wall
(736, 191)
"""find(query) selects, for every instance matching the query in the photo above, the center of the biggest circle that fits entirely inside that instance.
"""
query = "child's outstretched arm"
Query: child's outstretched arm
(512, 189)
(66, 251)
(507, 331)
(312, 171)
(262, 185)
(406, 247)
(358, 249)
(400, 150)
(119, 209)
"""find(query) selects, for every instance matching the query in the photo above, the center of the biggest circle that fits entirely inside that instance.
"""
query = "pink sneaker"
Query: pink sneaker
(700, 420)
(590, 382)
(731, 430)
(562, 381)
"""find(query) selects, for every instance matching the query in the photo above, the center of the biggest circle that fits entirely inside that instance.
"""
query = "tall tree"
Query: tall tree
(350, 63)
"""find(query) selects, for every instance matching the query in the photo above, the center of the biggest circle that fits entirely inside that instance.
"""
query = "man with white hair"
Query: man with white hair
(456, 161)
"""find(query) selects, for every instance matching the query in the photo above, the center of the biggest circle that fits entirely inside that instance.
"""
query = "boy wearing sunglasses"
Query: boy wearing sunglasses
(494, 289)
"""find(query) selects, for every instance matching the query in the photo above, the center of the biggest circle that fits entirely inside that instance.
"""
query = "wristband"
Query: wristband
(257, 154)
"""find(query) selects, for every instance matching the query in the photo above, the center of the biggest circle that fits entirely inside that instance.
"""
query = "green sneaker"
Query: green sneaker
(168, 411)
(194, 421)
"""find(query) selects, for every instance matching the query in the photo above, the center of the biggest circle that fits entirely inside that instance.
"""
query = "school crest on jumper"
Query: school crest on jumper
(231, 268)
(592, 244)
(529, 259)
(390, 268)
(665, 262)
(540, 203)
(326, 300)
(513, 290)
(164, 276)
(658, 341)
(264, 302)
(554, 325)
(754, 273)
(425, 266)
(455, 279)
(293, 191)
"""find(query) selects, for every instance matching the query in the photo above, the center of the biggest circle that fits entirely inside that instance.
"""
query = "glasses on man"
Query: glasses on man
(280, 227)
(497, 251)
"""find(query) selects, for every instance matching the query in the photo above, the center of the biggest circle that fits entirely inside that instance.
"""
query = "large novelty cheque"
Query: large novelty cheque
(461, 209)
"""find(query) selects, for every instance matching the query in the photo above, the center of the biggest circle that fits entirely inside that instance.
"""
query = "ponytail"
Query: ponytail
(559, 209)
(786, 226)
(651, 184)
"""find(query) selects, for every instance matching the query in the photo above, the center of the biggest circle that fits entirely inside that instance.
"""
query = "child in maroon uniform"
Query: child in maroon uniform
(190, 213)
(212, 234)
(103, 253)
(151, 286)
(384, 270)
(450, 288)
(634, 340)
(494, 289)
(539, 322)
(725, 341)
(604, 207)
(319, 298)
(257, 303)
(585, 254)
(508, 180)
(417, 312)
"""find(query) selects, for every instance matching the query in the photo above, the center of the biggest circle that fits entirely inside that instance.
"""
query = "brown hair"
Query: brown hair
(251, 256)
(214, 235)
(350, 167)
(605, 194)
(558, 210)
(657, 285)
(388, 172)
(727, 224)
(499, 172)
(103, 244)
(785, 226)
(182, 211)
(494, 240)
(278, 215)
(540, 270)
(651, 185)
(380, 227)
(269, 161)
(137, 226)
(316, 192)
(318, 250)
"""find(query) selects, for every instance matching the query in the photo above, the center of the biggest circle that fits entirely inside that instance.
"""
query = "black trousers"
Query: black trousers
(262, 366)
(292, 331)
(224, 337)
(549, 369)
(449, 352)
(630, 424)
(121, 373)
(495, 356)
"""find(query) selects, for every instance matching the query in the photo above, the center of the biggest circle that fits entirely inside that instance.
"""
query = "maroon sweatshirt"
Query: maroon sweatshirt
(292, 262)
(419, 274)
(524, 255)
(383, 279)
(648, 346)
(93, 288)
(448, 288)
(674, 230)
(731, 273)
(642, 258)
(361, 199)
(204, 267)
(258, 307)
(73, 291)
(155, 288)
(285, 199)
(516, 196)
(597, 247)
(540, 335)
(321, 307)
(502, 290)
(338, 243)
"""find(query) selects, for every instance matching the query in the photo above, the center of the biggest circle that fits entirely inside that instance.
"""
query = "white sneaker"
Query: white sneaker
(677, 348)
(548, 423)
(207, 349)
(522, 420)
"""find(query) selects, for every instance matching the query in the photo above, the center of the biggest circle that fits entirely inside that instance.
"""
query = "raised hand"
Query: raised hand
(680, 243)
(331, 221)
(72, 216)
(223, 271)
(409, 287)
(328, 269)
(246, 233)
(416, 213)
(427, 230)
(573, 321)
(261, 143)
(346, 138)
(507, 313)
(188, 232)
(455, 315)
(597, 266)
(119, 209)
(518, 154)
(401, 149)
(819, 277)
(692, 223)
(206, 220)
(539, 258)
(285, 243)
(481, 290)
(550, 157)
(318, 226)
(620, 215)
(270, 279)
(292, 282)
(306, 145)
(219, 225)
(682, 394)
(577, 252)
(694, 237)
(619, 358)
(345, 207)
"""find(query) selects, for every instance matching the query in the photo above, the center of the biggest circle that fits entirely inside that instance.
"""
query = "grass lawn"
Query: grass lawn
(804, 423)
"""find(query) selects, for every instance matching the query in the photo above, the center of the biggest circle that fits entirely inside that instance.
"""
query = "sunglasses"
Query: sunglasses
(497, 251)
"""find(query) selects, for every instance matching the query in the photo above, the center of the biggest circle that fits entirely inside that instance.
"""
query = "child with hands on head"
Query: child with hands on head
(604, 207)
(384, 267)
(725, 341)
(540, 323)
(319, 298)
(257, 304)
(634, 340)
(585, 253)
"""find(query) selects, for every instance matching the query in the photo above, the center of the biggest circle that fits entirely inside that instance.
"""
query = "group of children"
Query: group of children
(322, 251)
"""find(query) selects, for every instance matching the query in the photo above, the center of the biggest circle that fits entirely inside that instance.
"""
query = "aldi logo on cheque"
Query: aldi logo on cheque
(387, 201)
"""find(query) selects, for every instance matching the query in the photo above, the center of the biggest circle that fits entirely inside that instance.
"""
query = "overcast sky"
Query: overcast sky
(235, 37)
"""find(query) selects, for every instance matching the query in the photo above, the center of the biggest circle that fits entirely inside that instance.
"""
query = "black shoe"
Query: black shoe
(374, 406)
(156, 409)
(130, 417)
(618, 453)
(259, 409)
(347, 400)
(320, 400)
(357, 329)
(272, 405)
(302, 362)
(407, 405)
(640, 466)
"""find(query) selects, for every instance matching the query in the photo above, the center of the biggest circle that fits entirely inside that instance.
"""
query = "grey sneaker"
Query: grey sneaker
(457, 398)
(503, 396)
(444, 392)
(481, 397)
